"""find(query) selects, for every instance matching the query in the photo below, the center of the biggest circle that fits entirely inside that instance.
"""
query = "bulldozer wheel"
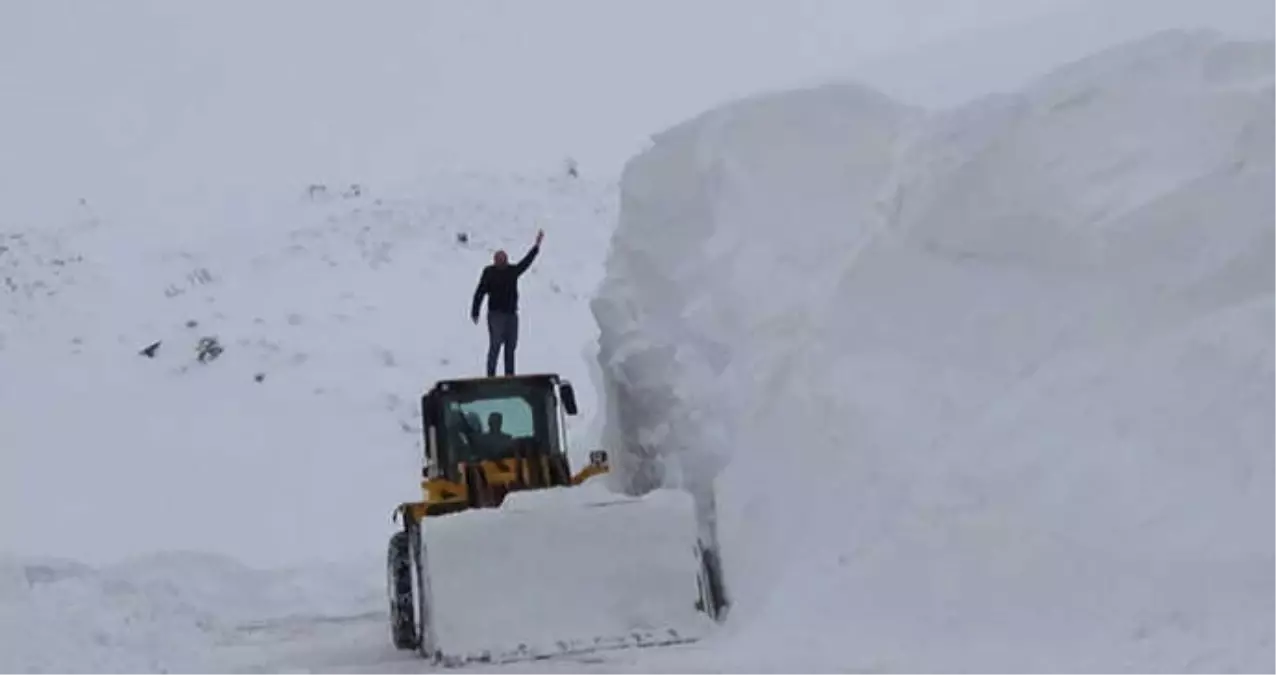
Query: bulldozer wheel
(712, 600)
(403, 630)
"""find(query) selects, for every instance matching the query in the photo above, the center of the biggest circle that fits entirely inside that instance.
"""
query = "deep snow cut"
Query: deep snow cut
(986, 389)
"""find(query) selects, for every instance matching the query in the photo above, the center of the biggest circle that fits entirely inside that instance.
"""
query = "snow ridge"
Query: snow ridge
(988, 388)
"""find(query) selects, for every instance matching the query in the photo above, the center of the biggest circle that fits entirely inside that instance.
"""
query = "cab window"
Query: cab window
(486, 428)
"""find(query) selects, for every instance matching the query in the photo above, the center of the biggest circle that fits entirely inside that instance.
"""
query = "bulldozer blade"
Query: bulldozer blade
(550, 571)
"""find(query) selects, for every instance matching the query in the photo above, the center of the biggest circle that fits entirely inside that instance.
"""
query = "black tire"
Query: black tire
(713, 599)
(403, 624)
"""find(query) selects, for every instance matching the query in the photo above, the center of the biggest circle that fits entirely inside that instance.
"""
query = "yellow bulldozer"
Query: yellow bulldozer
(511, 555)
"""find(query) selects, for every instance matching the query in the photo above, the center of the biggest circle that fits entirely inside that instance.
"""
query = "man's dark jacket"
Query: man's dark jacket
(500, 284)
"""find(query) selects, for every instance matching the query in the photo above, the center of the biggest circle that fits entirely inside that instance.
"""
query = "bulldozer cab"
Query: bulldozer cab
(471, 421)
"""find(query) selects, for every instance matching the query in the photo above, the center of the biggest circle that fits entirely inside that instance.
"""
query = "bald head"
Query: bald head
(500, 258)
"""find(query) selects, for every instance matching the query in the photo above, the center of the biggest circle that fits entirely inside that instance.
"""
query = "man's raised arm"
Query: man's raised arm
(531, 255)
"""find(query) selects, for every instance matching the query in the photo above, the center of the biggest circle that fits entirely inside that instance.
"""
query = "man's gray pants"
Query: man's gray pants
(502, 331)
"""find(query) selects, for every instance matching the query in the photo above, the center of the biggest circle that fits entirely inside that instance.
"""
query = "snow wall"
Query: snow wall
(985, 389)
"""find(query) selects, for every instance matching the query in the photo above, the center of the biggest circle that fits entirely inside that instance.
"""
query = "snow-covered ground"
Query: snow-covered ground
(978, 389)
(347, 308)
(989, 389)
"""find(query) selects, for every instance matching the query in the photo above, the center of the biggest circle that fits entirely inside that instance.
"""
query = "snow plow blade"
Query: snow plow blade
(560, 572)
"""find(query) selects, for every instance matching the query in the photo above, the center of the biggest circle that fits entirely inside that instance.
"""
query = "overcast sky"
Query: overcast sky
(154, 95)
(613, 72)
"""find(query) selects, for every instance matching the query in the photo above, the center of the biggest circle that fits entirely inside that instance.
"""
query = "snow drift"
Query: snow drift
(988, 389)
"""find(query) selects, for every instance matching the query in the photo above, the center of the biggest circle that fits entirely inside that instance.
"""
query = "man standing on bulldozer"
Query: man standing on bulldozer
(499, 282)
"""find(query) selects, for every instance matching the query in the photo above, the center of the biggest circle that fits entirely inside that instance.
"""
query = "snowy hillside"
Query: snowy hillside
(988, 389)
(334, 311)
(345, 307)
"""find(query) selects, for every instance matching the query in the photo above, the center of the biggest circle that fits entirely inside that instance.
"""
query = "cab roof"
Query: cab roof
(471, 383)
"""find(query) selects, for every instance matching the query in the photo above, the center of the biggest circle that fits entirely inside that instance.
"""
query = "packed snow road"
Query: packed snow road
(197, 612)
(359, 644)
